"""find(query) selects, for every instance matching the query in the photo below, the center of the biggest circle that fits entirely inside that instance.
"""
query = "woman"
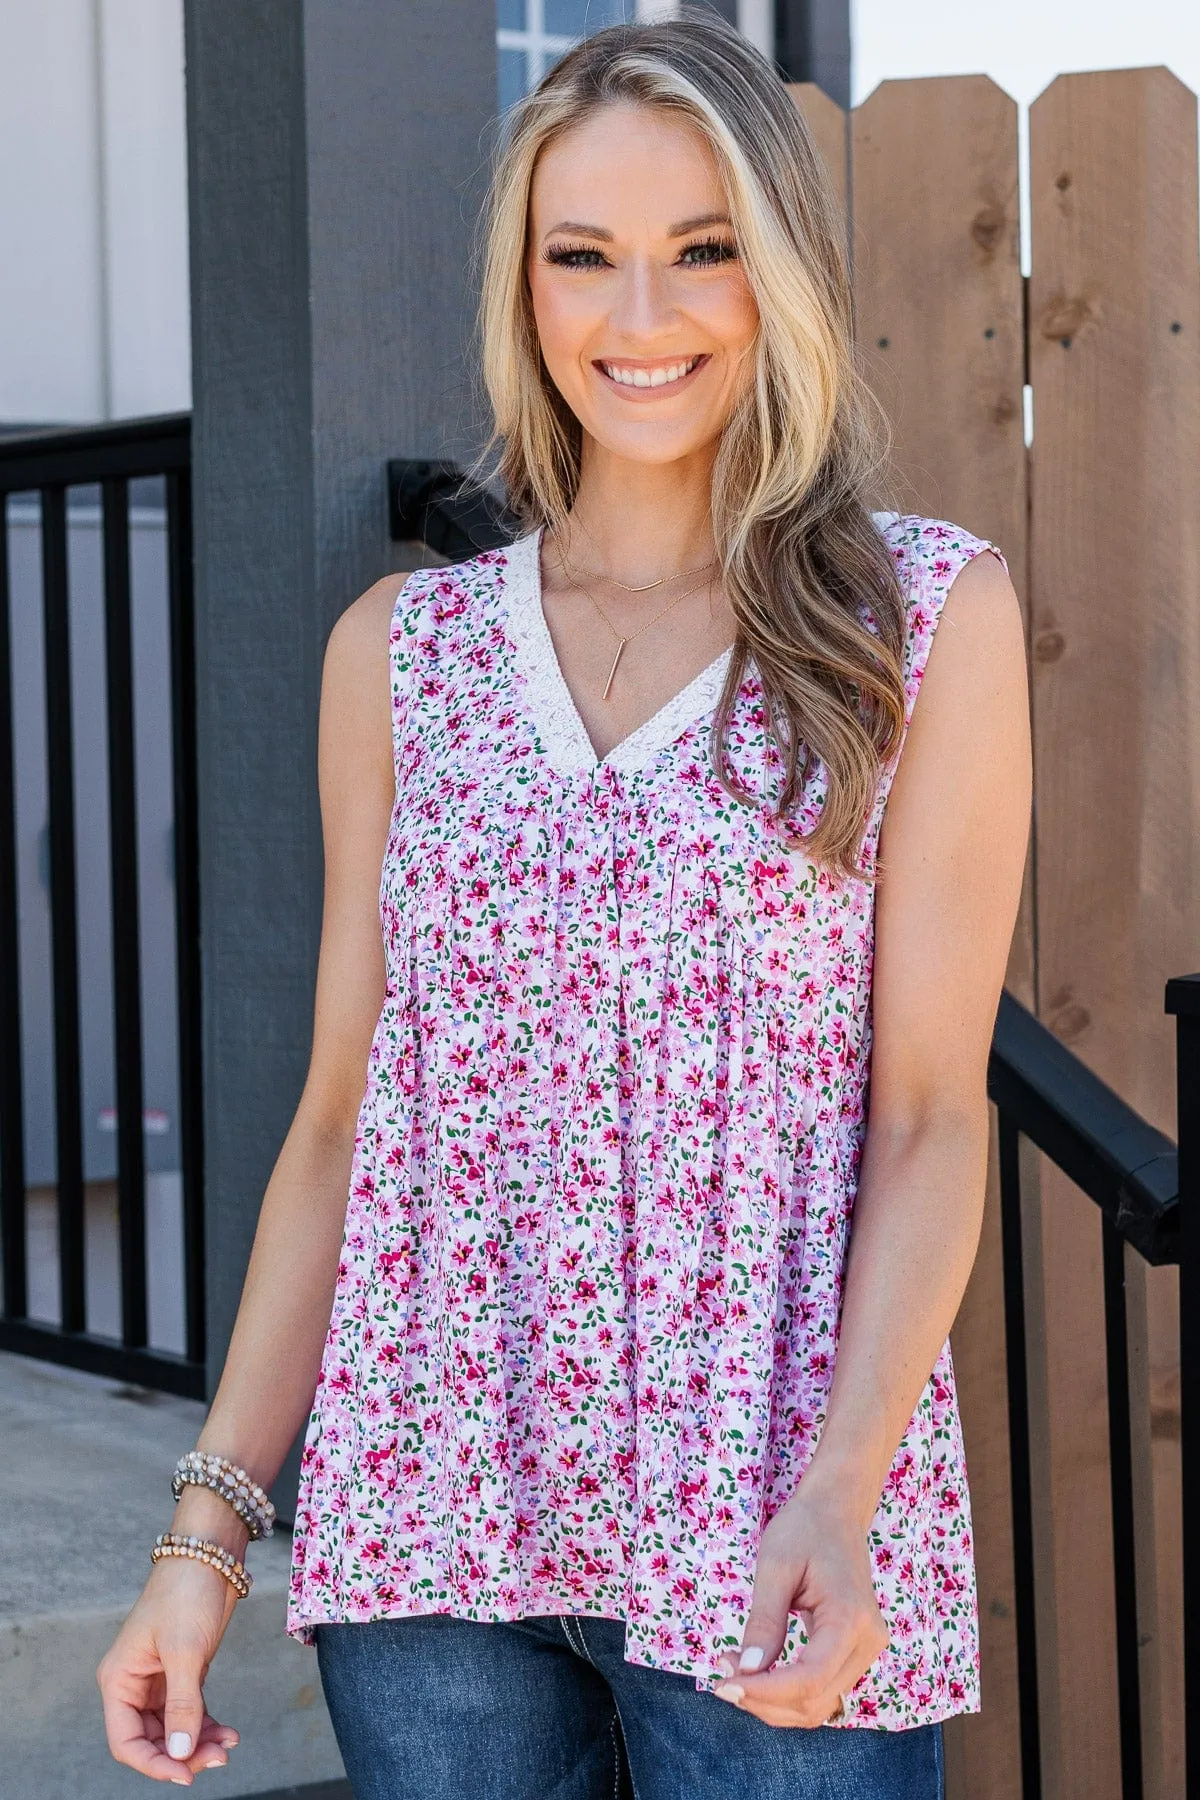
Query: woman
(615, 1417)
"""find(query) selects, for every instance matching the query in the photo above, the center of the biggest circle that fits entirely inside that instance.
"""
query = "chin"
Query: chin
(654, 450)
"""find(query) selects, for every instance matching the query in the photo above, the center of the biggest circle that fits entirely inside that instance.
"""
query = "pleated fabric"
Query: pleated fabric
(587, 1308)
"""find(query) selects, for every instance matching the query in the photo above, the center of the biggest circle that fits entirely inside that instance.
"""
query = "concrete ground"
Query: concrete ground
(85, 1469)
(325, 1790)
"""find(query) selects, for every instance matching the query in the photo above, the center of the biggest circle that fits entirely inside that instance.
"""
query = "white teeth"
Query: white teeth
(649, 378)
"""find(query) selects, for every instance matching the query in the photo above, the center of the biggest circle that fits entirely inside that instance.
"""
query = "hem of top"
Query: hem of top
(303, 1626)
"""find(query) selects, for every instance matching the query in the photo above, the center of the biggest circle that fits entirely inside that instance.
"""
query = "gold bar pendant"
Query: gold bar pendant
(613, 670)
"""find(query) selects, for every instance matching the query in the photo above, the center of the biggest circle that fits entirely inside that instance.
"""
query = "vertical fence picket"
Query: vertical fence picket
(939, 319)
(1114, 320)
(937, 278)
(829, 126)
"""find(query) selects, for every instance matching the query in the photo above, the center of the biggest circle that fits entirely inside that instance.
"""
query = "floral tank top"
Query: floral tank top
(587, 1307)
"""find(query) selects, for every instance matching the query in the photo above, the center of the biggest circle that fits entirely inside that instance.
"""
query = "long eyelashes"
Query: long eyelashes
(716, 250)
(711, 252)
(574, 256)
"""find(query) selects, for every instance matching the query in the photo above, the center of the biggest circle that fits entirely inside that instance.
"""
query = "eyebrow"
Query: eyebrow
(683, 229)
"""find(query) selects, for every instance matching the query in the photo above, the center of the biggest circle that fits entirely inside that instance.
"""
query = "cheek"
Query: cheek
(564, 319)
(733, 314)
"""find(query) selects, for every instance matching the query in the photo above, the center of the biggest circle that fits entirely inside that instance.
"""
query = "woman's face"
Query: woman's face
(643, 310)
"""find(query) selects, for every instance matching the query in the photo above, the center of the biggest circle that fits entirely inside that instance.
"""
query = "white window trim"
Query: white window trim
(756, 19)
(541, 47)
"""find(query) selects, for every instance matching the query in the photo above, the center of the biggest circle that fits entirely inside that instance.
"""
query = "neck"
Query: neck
(640, 521)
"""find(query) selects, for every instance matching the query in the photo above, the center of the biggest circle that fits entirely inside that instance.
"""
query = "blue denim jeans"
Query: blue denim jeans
(436, 1708)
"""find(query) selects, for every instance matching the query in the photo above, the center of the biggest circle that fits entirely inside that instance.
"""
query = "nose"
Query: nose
(643, 308)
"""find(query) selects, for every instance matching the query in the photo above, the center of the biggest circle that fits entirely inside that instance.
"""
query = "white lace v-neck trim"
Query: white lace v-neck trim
(560, 729)
(552, 708)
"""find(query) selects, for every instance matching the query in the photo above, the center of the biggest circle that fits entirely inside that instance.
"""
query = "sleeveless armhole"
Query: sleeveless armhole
(403, 639)
(928, 553)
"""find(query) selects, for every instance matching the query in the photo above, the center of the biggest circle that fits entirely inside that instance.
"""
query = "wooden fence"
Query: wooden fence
(1099, 517)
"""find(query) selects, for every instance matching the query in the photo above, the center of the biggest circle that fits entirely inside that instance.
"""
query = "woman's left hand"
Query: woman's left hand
(813, 1559)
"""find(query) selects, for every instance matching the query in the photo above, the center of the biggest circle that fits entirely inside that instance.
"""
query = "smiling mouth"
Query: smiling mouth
(660, 375)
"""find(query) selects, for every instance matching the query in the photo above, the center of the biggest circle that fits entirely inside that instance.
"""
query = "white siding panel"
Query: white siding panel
(51, 289)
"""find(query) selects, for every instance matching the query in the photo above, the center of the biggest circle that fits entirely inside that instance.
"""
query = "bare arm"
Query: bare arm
(151, 1678)
(275, 1351)
(952, 855)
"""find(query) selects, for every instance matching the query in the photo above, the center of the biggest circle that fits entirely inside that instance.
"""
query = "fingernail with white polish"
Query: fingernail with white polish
(732, 1693)
(751, 1659)
(725, 1668)
(179, 1745)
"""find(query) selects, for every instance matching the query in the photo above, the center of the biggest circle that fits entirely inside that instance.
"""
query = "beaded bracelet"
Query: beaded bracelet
(172, 1543)
(200, 1468)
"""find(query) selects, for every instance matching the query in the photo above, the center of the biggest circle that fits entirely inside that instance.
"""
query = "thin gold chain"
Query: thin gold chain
(642, 588)
(622, 641)
(645, 587)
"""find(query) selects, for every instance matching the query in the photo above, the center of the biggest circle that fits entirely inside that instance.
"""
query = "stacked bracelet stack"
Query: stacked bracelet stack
(172, 1543)
(199, 1468)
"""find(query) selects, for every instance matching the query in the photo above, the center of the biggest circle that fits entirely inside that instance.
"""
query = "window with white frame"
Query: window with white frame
(532, 34)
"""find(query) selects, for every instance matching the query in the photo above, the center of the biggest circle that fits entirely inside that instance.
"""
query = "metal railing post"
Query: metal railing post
(54, 466)
(1183, 1001)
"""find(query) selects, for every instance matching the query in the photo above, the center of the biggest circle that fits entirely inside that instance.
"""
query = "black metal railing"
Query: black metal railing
(1146, 1191)
(52, 467)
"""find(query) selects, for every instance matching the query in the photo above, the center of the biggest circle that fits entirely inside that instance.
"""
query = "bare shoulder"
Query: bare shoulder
(969, 739)
(977, 663)
(982, 603)
(359, 639)
(356, 684)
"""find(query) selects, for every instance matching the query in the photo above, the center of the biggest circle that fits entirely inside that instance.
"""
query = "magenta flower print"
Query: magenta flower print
(586, 1313)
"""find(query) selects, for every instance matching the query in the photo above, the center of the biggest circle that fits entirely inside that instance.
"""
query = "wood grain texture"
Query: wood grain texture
(829, 127)
(939, 306)
(1115, 612)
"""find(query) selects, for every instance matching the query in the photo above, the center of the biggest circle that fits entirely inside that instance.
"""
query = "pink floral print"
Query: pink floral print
(587, 1307)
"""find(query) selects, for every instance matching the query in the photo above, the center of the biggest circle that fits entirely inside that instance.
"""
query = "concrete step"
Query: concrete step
(85, 1472)
(324, 1790)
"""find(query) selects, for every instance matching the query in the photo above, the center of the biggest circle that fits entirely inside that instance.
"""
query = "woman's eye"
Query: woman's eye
(570, 256)
(708, 254)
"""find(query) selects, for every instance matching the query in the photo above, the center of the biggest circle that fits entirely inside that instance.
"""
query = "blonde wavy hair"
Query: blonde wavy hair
(804, 444)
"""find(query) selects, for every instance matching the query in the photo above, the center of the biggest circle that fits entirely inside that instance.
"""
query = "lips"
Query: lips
(643, 378)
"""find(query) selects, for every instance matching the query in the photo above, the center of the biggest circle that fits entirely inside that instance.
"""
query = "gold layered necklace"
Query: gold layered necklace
(624, 639)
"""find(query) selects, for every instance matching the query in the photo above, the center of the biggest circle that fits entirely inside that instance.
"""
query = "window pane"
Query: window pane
(573, 18)
(510, 15)
(510, 72)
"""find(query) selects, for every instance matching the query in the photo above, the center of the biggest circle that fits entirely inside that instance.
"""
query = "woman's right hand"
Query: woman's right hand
(152, 1678)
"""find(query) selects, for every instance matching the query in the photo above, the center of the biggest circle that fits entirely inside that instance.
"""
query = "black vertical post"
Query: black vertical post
(1120, 1458)
(64, 913)
(123, 878)
(12, 1127)
(1183, 1001)
(1019, 1456)
(335, 163)
(812, 43)
(187, 901)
